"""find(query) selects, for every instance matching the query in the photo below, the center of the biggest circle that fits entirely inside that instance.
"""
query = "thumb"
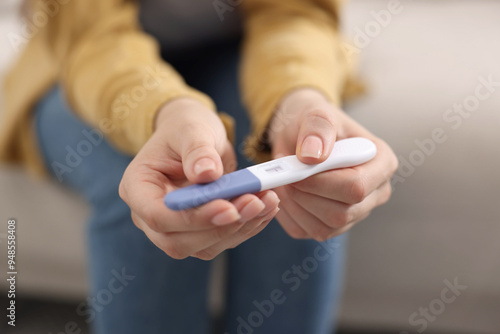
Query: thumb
(316, 137)
(200, 159)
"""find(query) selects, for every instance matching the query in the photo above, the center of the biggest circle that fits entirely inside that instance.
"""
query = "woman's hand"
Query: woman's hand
(189, 146)
(330, 203)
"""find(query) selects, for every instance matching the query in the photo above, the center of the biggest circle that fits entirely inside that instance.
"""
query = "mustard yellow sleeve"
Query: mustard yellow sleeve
(111, 71)
(289, 44)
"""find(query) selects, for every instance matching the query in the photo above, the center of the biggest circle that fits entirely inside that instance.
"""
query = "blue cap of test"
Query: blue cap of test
(226, 187)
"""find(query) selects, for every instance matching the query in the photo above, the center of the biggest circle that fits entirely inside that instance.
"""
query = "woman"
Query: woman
(123, 94)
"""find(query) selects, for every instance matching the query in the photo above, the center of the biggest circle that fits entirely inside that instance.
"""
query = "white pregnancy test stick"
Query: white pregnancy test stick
(275, 173)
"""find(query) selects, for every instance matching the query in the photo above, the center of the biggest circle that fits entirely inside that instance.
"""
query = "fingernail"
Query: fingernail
(312, 147)
(226, 217)
(203, 165)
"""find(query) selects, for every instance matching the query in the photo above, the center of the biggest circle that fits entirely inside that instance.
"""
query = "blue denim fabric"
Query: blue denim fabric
(275, 284)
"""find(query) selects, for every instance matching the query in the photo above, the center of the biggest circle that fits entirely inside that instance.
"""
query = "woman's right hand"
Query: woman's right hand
(189, 146)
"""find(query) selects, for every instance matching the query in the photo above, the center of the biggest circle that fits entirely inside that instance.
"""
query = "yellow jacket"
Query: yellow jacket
(97, 52)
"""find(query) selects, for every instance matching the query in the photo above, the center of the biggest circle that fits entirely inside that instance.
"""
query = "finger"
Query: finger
(229, 158)
(138, 222)
(261, 226)
(215, 213)
(287, 222)
(271, 200)
(291, 227)
(352, 185)
(249, 206)
(180, 245)
(145, 191)
(282, 148)
(255, 231)
(247, 231)
(315, 228)
(337, 214)
(201, 149)
(316, 136)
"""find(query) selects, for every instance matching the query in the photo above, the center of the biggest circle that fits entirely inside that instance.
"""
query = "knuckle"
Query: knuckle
(206, 255)
(121, 191)
(358, 189)
(318, 116)
(338, 232)
(197, 147)
(193, 129)
(394, 163)
(296, 233)
(173, 249)
(321, 233)
(342, 218)
(153, 223)
(386, 194)
(321, 238)
(334, 234)
(135, 220)
(392, 159)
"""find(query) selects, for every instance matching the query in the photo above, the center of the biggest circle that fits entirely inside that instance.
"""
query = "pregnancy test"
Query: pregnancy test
(268, 175)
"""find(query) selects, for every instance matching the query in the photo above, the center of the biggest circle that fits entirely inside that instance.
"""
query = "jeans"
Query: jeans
(274, 284)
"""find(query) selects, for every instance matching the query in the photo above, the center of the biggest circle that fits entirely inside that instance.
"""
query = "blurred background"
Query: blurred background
(421, 60)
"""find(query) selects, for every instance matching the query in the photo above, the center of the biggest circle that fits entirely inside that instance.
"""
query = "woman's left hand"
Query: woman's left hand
(329, 203)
